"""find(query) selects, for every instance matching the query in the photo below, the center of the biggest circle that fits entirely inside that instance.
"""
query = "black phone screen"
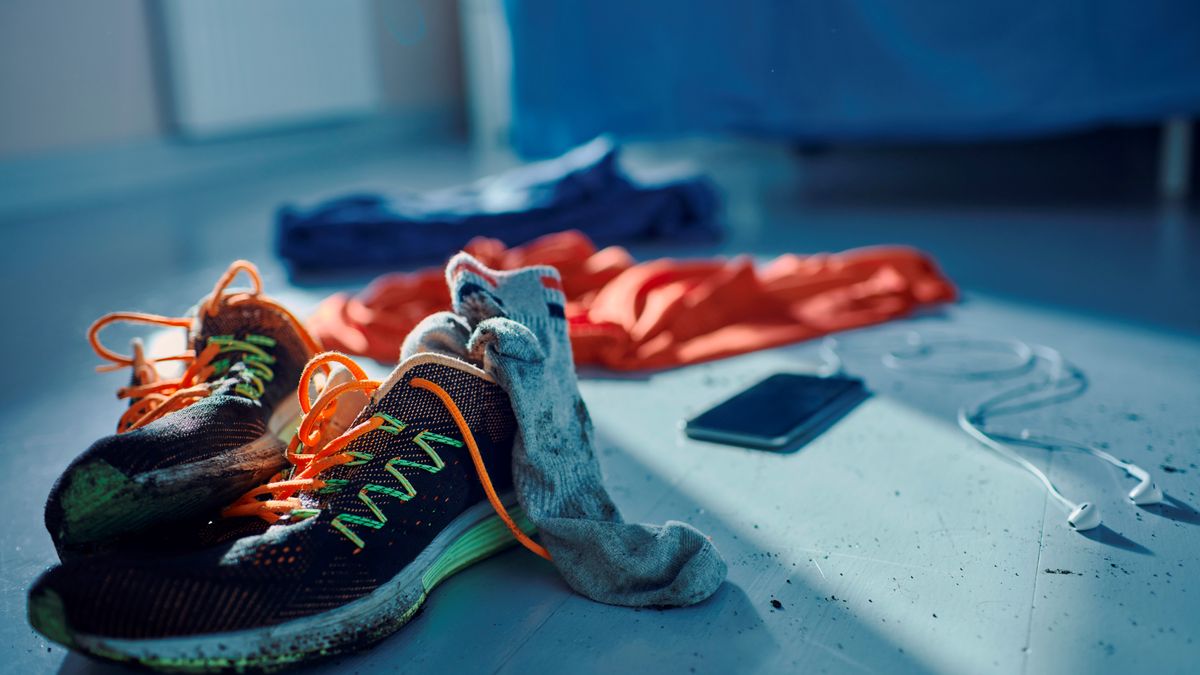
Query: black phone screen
(777, 409)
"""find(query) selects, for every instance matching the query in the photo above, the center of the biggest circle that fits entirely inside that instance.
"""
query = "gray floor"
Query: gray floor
(892, 542)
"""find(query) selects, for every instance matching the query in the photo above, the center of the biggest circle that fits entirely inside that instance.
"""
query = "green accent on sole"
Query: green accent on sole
(48, 617)
(484, 539)
(89, 490)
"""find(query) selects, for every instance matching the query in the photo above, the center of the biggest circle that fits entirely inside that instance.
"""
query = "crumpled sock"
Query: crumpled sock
(513, 323)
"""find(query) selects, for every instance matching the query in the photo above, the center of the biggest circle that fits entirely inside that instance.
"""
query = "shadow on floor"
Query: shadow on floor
(1175, 509)
(514, 614)
(1110, 537)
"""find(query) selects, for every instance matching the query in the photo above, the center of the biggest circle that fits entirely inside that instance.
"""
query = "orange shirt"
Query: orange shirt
(662, 313)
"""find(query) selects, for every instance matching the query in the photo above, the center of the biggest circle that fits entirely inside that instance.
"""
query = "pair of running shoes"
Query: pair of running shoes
(271, 504)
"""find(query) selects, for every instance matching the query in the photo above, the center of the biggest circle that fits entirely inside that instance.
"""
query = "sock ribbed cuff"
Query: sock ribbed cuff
(532, 296)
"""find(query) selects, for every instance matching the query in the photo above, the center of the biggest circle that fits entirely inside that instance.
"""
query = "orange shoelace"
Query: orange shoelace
(153, 396)
(311, 454)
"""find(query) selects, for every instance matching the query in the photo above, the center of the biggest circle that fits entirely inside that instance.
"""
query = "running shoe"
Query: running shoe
(187, 445)
(330, 556)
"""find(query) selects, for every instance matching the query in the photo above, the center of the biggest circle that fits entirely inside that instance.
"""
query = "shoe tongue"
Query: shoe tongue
(247, 316)
(265, 324)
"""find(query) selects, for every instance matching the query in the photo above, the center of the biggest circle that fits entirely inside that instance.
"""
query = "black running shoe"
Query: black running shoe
(189, 445)
(346, 545)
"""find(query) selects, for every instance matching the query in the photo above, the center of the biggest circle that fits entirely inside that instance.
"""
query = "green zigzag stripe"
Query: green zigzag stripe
(343, 521)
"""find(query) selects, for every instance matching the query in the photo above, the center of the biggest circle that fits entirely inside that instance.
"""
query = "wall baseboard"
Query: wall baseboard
(35, 186)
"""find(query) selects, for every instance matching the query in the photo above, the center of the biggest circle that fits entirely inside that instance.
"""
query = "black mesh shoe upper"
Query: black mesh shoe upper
(371, 519)
(194, 460)
(250, 316)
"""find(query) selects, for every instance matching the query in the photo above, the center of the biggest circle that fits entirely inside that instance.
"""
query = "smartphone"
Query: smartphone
(782, 412)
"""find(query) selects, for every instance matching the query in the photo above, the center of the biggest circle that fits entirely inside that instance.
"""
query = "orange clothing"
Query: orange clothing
(626, 315)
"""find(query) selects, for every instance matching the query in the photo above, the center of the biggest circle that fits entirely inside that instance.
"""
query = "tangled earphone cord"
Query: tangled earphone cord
(1062, 382)
(973, 419)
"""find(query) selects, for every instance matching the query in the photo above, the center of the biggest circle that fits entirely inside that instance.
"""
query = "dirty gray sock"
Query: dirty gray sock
(516, 328)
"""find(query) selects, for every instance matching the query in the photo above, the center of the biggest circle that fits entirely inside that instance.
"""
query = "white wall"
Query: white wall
(420, 69)
(74, 73)
(79, 73)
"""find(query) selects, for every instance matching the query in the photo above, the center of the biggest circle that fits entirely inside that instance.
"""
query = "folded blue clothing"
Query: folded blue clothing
(585, 189)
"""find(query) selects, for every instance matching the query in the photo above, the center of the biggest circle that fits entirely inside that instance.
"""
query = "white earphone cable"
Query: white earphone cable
(975, 431)
(1061, 382)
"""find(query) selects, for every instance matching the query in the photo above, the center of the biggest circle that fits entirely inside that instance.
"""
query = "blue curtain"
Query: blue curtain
(845, 69)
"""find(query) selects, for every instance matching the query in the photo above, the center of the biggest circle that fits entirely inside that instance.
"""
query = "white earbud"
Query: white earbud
(1084, 517)
(1147, 491)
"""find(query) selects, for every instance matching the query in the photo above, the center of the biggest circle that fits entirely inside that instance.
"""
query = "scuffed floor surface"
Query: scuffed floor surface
(890, 544)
